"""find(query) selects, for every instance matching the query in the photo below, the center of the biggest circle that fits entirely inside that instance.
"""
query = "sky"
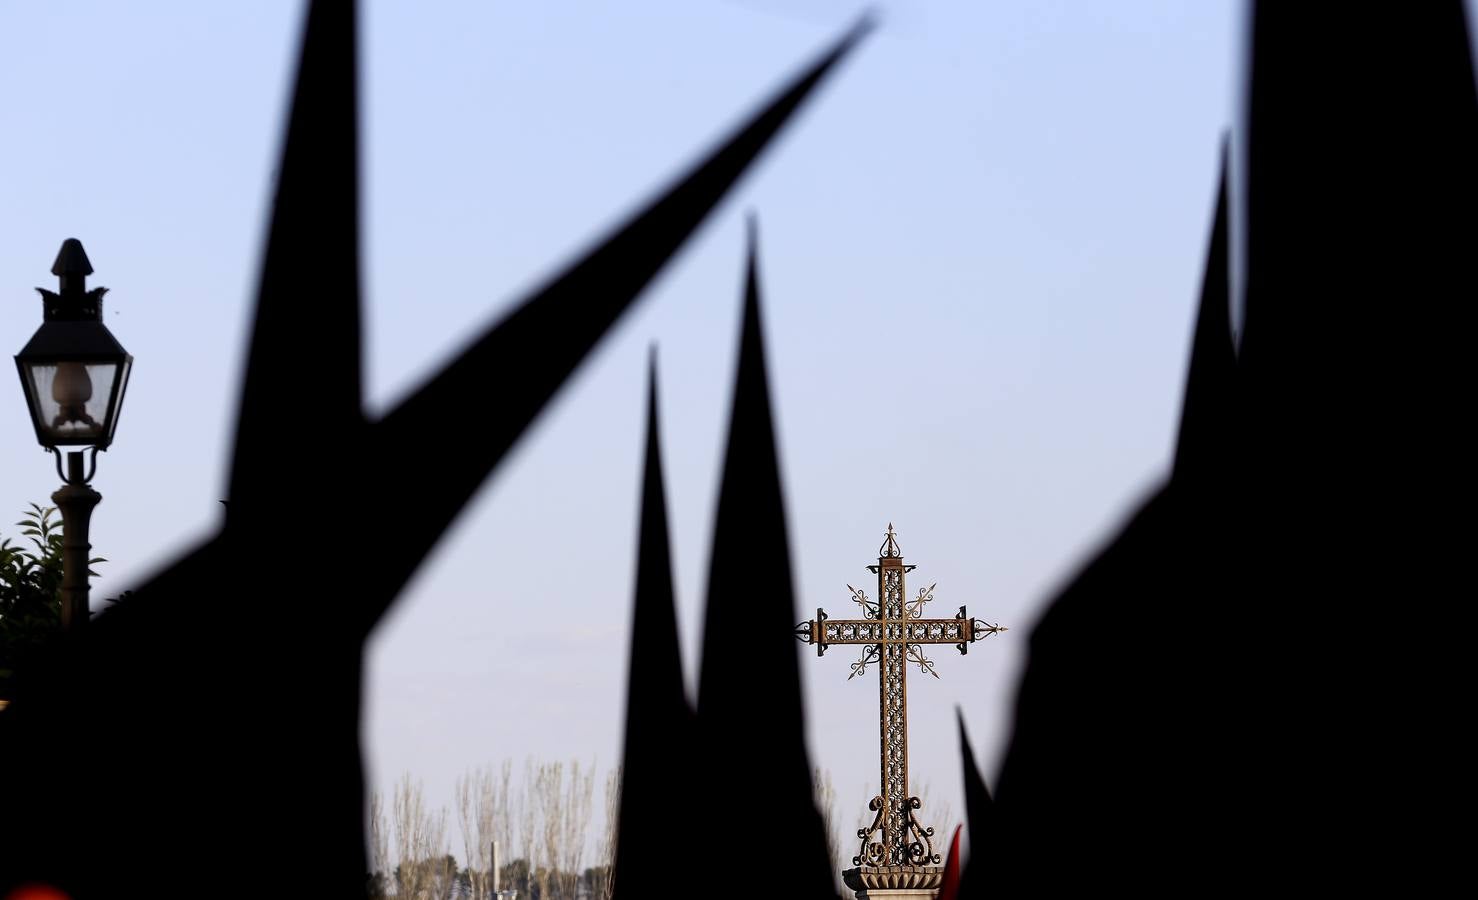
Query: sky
(980, 249)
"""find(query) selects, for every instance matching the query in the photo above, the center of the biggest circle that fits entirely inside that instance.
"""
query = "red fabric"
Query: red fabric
(36, 892)
(950, 889)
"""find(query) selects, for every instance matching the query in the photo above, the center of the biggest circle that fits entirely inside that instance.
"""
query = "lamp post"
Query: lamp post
(74, 372)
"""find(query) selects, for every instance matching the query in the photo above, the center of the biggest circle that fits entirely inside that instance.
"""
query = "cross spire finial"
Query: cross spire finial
(890, 550)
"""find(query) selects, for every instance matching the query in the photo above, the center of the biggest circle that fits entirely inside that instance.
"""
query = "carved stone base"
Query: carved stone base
(894, 882)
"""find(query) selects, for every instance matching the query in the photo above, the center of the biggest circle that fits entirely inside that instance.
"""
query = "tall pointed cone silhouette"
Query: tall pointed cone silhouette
(539, 344)
(1340, 227)
(1345, 376)
(749, 692)
(979, 815)
(1355, 377)
(1203, 448)
(661, 739)
(213, 662)
(303, 377)
(226, 691)
(303, 365)
(978, 803)
(1109, 715)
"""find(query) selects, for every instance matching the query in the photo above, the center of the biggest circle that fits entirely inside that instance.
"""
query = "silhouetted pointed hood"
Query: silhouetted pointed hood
(302, 380)
(979, 816)
(1123, 686)
(1354, 376)
(235, 674)
(540, 343)
(978, 803)
(661, 741)
(749, 695)
(1362, 127)
(1203, 447)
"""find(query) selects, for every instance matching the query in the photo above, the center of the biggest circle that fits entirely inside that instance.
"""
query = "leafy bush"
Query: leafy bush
(30, 585)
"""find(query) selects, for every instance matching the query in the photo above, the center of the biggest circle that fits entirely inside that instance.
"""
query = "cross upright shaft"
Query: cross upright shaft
(892, 634)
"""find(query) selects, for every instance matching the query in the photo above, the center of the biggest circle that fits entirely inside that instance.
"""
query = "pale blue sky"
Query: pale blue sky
(980, 250)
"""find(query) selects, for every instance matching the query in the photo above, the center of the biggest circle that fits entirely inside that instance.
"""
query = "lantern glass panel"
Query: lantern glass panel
(74, 401)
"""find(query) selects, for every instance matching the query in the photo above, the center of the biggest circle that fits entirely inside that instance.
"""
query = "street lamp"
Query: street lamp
(74, 372)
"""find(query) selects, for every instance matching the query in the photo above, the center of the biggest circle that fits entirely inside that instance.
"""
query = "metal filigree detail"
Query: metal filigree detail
(925, 664)
(982, 628)
(921, 849)
(917, 846)
(871, 853)
(916, 605)
(814, 632)
(889, 549)
(869, 655)
(869, 608)
(893, 632)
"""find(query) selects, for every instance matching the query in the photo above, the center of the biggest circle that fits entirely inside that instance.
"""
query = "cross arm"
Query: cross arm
(962, 631)
(823, 632)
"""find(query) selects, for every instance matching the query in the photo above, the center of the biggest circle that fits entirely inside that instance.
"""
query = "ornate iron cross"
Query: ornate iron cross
(894, 632)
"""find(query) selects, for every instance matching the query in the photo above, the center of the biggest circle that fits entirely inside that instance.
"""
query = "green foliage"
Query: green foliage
(30, 576)
(596, 882)
(30, 581)
(515, 875)
(435, 878)
(374, 887)
(440, 879)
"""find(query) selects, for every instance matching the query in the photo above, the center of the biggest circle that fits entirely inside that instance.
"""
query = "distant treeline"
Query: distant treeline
(542, 823)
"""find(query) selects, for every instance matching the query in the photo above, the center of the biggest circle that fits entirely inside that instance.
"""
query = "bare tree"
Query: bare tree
(561, 798)
(475, 822)
(420, 845)
(543, 822)
(379, 849)
(826, 802)
(574, 826)
(602, 888)
(528, 819)
(546, 799)
(503, 810)
(483, 816)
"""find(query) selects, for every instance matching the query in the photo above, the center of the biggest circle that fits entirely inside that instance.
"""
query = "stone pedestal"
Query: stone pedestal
(895, 882)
